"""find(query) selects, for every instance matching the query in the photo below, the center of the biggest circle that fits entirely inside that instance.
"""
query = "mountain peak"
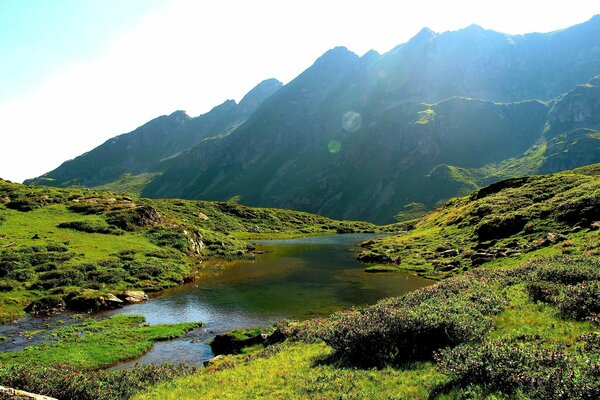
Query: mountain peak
(337, 56)
(260, 93)
(370, 56)
(423, 35)
(179, 116)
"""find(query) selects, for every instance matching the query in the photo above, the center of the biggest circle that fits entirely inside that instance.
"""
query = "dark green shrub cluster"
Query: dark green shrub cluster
(6, 285)
(132, 219)
(501, 226)
(91, 227)
(540, 372)
(581, 301)
(572, 284)
(21, 264)
(65, 382)
(168, 238)
(87, 208)
(23, 203)
(412, 327)
(385, 335)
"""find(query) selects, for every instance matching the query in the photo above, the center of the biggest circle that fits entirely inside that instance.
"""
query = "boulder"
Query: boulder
(448, 253)
(92, 300)
(133, 296)
(46, 306)
(481, 258)
(233, 342)
(549, 239)
(213, 360)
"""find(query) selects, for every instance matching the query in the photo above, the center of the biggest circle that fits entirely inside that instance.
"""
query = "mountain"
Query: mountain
(367, 137)
(139, 151)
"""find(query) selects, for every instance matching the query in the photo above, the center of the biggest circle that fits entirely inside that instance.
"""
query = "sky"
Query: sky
(74, 73)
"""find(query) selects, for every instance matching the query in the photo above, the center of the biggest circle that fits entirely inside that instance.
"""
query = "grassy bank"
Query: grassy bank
(505, 223)
(75, 248)
(481, 335)
(94, 344)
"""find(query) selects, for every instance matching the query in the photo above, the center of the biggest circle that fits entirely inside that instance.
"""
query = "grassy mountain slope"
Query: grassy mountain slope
(77, 248)
(505, 222)
(514, 326)
(362, 137)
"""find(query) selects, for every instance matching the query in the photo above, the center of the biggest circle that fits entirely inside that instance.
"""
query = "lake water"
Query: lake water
(295, 279)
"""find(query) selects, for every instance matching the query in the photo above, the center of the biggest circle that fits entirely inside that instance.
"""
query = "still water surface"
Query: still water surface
(295, 279)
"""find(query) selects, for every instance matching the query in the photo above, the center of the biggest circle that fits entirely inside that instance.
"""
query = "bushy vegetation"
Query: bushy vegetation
(91, 227)
(409, 328)
(68, 382)
(506, 222)
(540, 371)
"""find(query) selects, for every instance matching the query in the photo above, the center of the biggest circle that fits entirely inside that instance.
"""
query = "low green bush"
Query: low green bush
(581, 301)
(383, 335)
(66, 382)
(541, 372)
(91, 227)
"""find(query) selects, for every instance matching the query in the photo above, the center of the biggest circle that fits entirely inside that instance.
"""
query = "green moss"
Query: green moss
(95, 344)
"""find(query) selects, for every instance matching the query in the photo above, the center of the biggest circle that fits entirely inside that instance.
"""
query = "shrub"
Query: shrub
(21, 274)
(168, 238)
(540, 372)
(91, 227)
(6, 285)
(581, 301)
(384, 334)
(66, 382)
(500, 226)
(567, 270)
(58, 278)
(542, 291)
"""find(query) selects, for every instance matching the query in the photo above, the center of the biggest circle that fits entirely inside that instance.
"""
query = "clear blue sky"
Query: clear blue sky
(74, 73)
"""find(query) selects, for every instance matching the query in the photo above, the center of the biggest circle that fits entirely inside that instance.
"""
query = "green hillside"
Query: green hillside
(518, 318)
(82, 249)
(522, 325)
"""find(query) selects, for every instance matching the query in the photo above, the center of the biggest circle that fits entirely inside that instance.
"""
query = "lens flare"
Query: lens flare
(351, 121)
(334, 146)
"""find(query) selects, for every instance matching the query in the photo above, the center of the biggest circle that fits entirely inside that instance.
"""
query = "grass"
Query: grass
(501, 224)
(382, 268)
(304, 367)
(96, 344)
(296, 371)
(524, 318)
(55, 242)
